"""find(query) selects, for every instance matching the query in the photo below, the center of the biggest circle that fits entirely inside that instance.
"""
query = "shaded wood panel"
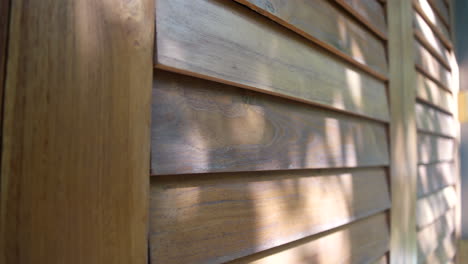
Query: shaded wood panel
(437, 240)
(201, 126)
(431, 67)
(321, 22)
(441, 10)
(435, 176)
(4, 23)
(427, 13)
(370, 12)
(431, 93)
(226, 42)
(432, 148)
(220, 217)
(430, 40)
(431, 120)
(75, 153)
(363, 241)
(381, 260)
(430, 208)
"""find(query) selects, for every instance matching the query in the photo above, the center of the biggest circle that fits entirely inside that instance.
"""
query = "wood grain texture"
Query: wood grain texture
(425, 10)
(75, 165)
(4, 23)
(437, 239)
(360, 242)
(427, 64)
(430, 41)
(201, 126)
(226, 42)
(434, 177)
(220, 217)
(321, 22)
(403, 146)
(431, 207)
(370, 12)
(432, 148)
(431, 120)
(432, 94)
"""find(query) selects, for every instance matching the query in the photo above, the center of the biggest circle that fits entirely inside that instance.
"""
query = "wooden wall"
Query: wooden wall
(270, 132)
(436, 121)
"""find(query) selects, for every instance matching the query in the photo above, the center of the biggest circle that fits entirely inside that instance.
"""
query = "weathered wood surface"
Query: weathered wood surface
(435, 176)
(4, 22)
(430, 208)
(215, 218)
(437, 239)
(224, 41)
(429, 119)
(370, 12)
(431, 41)
(431, 67)
(323, 23)
(359, 242)
(431, 93)
(75, 165)
(432, 148)
(427, 13)
(403, 149)
(202, 126)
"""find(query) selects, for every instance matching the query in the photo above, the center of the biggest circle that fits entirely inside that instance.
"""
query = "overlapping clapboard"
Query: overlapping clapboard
(269, 132)
(436, 131)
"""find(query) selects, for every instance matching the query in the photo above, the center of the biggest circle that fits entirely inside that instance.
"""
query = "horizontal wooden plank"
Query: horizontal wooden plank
(220, 217)
(430, 208)
(432, 148)
(321, 22)
(431, 67)
(427, 13)
(201, 126)
(370, 12)
(359, 242)
(433, 237)
(441, 9)
(435, 176)
(226, 42)
(431, 93)
(429, 119)
(426, 35)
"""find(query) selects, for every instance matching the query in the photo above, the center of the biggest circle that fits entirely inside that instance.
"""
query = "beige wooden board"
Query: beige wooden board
(431, 67)
(432, 148)
(75, 148)
(434, 236)
(429, 119)
(226, 42)
(203, 126)
(369, 11)
(431, 93)
(435, 176)
(431, 207)
(425, 34)
(425, 10)
(360, 242)
(220, 217)
(323, 23)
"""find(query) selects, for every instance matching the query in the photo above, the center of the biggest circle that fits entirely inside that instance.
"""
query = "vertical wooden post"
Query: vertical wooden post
(403, 169)
(75, 165)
